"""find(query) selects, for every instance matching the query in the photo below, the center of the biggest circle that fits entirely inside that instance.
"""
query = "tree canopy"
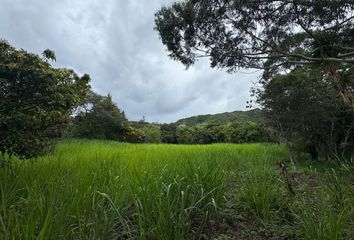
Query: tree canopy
(273, 35)
(36, 100)
(99, 117)
(304, 107)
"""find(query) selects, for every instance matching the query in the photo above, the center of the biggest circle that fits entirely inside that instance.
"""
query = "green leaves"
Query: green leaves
(304, 107)
(36, 100)
(269, 35)
(49, 54)
(99, 117)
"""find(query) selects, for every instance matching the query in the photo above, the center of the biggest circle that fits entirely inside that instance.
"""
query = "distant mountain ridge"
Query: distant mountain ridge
(254, 115)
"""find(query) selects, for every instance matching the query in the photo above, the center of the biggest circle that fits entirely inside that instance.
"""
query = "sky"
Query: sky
(114, 42)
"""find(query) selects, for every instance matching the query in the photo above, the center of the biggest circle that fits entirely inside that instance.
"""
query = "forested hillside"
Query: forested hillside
(254, 115)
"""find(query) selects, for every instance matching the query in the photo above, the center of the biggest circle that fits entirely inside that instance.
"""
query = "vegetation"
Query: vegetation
(98, 117)
(105, 190)
(305, 49)
(36, 101)
(90, 189)
(234, 127)
(308, 114)
(273, 35)
(254, 115)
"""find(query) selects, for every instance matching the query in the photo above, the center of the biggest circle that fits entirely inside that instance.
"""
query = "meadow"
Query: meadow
(110, 190)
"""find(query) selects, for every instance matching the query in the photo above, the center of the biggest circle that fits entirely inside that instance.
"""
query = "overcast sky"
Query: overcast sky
(114, 42)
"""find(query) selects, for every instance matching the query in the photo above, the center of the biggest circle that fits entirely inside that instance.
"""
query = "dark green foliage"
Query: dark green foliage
(168, 133)
(222, 133)
(223, 118)
(200, 134)
(237, 33)
(305, 108)
(185, 135)
(206, 129)
(36, 100)
(237, 127)
(248, 132)
(99, 118)
(152, 133)
(245, 34)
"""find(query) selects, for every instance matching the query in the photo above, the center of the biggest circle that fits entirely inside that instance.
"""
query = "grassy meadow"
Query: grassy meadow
(109, 190)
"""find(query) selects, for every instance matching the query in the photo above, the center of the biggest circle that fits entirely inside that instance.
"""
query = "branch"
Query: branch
(345, 55)
(339, 24)
(329, 59)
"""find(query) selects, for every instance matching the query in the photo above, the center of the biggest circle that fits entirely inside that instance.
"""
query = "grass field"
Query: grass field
(108, 190)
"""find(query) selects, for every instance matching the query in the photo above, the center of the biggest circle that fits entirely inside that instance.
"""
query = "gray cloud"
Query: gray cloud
(115, 43)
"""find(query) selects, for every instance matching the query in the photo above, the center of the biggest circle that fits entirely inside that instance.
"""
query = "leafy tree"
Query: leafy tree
(272, 35)
(99, 118)
(152, 133)
(216, 132)
(185, 135)
(168, 133)
(304, 107)
(36, 100)
(134, 135)
(248, 132)
(201, 135)
(236, 132)
(139, 124)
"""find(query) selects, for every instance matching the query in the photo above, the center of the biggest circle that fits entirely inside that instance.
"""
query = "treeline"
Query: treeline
(206, 134)
(98, 117)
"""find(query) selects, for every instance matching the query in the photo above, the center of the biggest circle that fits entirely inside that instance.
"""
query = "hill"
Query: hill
(223, 118)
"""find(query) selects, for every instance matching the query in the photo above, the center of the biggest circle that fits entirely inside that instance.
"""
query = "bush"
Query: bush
(134, 135)
(36, 101)
(99, 118)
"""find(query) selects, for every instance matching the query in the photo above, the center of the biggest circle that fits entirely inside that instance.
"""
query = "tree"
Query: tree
(185, 135)
(216, 132)
(168, 133)
(134, 135)
(152, 133)
(36, 101)
(99, 118)
(305, 108)
(249, 132)
(273, 35)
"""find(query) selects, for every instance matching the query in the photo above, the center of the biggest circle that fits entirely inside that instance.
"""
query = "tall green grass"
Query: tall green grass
(328, 212)
(109, 190)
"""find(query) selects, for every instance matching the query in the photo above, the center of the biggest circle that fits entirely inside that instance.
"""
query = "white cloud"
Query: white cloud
(115, 43)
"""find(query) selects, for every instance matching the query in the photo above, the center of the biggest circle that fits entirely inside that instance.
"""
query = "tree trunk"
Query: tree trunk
(347, 96)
